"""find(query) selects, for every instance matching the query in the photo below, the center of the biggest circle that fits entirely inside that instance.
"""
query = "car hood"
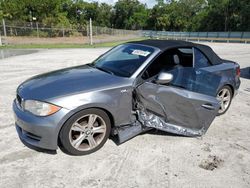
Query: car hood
(68, 81)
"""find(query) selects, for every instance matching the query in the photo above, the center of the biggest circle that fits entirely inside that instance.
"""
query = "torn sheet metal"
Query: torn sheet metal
(150, 120)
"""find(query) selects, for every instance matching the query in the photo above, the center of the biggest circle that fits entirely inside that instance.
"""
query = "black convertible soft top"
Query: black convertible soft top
(164, 45)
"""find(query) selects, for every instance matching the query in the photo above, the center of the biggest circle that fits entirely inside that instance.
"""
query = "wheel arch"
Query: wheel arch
(231, 87)
(226, 84)
(110, 115)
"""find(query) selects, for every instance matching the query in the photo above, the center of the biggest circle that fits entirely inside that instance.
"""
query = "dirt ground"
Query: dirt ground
(221, 158)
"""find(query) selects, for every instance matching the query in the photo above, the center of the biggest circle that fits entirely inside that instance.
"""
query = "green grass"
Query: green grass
(51, 46)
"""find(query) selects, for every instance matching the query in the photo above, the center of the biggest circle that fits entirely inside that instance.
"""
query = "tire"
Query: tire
(85, 132)
(222, 99)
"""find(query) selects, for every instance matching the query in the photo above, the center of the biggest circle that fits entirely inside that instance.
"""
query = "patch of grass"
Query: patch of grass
(51, 46)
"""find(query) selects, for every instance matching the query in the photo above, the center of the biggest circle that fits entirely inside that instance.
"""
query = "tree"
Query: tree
(129, 14)
(169, 15)
(159, 18)
(225, 15)
(104, 15)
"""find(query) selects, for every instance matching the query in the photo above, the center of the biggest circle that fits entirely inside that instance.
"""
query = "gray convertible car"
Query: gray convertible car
(174, 86)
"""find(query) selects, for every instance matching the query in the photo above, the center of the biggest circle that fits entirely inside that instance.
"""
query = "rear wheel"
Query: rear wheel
(85, 132)
(225, 96)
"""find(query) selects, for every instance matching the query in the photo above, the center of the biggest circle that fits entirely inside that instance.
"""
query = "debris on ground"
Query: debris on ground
(211, 163)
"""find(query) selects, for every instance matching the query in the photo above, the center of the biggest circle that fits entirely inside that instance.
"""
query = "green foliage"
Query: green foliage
(169, 15)
(104, 15)
(129, 14)
(226, 15)
(39, 33)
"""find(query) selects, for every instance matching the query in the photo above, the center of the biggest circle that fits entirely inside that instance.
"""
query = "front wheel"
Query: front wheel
(225, 96)
(85, 132)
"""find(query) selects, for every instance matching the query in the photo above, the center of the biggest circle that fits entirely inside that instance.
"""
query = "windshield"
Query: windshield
(123, 60)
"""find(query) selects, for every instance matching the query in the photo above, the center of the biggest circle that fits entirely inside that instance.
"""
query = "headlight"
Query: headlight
(40, 108)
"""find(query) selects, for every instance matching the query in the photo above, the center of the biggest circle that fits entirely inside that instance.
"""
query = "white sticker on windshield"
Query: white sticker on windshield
(140, 53)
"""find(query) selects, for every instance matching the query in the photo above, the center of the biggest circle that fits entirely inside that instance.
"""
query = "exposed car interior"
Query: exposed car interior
(171, 59)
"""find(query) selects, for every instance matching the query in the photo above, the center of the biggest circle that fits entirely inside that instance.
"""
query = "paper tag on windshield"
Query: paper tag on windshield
(141, 53)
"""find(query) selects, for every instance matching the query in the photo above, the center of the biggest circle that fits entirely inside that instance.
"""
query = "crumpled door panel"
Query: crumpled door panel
(150, 120)
(175, 110)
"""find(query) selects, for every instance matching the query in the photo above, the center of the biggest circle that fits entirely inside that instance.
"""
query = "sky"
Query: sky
(150, 3)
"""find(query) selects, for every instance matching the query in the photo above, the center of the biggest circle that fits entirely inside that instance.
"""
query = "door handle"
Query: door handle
(208, 106)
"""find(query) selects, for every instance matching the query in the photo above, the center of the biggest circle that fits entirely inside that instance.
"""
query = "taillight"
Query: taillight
(238, 71)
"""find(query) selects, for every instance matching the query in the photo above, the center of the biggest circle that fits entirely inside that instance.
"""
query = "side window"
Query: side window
(170, 60)
(200, 60)
(154, 68)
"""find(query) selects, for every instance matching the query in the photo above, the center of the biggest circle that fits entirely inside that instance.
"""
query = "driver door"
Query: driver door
(187, 105)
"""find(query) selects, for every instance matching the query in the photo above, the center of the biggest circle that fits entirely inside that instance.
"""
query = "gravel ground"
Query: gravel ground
(221, 158)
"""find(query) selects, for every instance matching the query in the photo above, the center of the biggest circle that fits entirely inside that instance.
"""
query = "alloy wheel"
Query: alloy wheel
(87, 132)
(224, 96)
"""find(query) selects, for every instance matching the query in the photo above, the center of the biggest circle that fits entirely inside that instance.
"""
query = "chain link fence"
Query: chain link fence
(37, 33)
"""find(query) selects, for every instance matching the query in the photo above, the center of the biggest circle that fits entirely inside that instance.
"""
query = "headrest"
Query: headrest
(176, 59)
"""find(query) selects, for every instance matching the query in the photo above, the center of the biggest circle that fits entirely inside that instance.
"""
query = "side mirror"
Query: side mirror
(164, 78)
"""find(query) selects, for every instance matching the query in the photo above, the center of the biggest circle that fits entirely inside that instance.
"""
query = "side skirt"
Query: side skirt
(126, 132)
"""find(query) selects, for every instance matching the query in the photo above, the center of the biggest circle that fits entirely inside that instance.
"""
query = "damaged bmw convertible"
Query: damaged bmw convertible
(174, 86)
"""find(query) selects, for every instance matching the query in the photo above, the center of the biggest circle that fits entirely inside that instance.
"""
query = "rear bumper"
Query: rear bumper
(236, 92)
(237, 86)
(41, 132)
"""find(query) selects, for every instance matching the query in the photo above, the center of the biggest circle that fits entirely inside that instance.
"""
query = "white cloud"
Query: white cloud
(150, 3)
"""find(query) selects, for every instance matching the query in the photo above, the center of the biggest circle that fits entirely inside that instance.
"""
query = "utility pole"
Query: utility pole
(1, 40)
(90, 32)
(4, 28)
(31, 17)
(37, 29)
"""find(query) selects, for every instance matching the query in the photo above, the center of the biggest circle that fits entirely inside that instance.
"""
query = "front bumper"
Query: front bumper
(41, 132)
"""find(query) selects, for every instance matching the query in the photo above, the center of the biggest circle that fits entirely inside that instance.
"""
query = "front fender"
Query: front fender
(117, 103)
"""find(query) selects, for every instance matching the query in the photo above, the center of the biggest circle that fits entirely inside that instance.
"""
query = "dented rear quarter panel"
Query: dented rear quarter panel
(227, 72)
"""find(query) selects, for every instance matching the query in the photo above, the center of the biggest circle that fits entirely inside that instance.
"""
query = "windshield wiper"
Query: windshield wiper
(100, 68)
(104, 70)
(91, 64)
